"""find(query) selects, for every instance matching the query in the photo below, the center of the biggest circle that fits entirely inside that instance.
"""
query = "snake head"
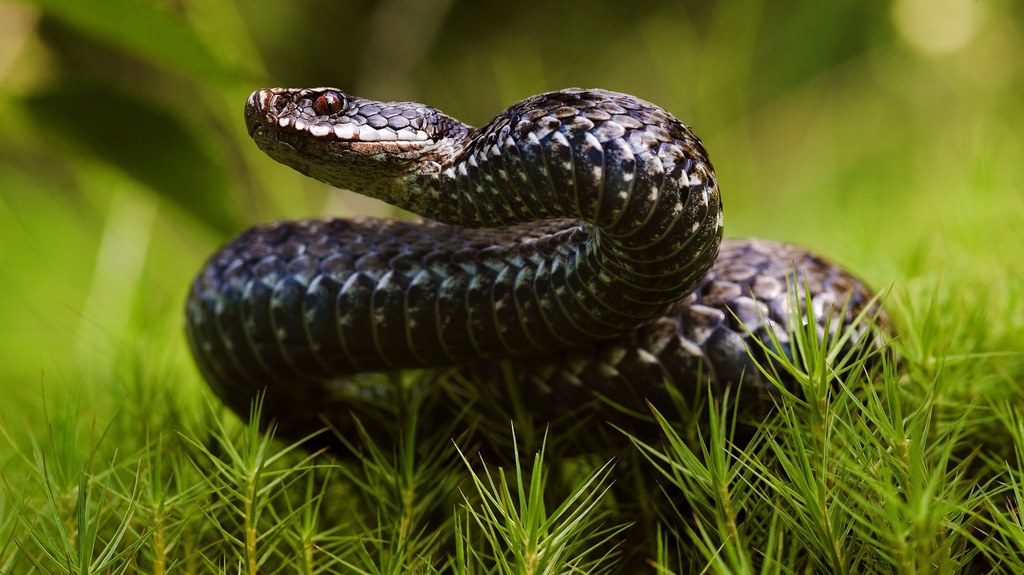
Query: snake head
(367, 146)
(330, 115)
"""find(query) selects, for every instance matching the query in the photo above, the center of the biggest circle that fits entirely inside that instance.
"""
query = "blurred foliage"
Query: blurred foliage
(124, 160)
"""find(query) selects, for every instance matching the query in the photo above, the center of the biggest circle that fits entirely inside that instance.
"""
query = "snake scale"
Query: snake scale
(578, 233)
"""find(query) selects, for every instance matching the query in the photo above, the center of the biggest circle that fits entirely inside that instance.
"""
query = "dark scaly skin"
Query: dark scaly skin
(598, 281)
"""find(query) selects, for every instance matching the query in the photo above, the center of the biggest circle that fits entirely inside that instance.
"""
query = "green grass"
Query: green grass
(829, 128)
(876, 465)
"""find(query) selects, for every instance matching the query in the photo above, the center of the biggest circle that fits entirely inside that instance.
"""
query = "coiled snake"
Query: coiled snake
(577, 233)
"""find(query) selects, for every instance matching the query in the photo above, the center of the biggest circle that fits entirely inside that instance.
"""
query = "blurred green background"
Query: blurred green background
(886, 134)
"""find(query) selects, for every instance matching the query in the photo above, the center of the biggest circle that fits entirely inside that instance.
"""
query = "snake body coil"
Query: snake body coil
(575, 232)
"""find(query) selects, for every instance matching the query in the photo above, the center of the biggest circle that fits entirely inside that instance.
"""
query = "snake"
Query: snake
(576, 239)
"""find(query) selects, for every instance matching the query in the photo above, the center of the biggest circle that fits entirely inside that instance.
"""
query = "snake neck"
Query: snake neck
(636, 179)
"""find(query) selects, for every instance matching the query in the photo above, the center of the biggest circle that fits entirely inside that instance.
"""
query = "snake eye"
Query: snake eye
(328, 103)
